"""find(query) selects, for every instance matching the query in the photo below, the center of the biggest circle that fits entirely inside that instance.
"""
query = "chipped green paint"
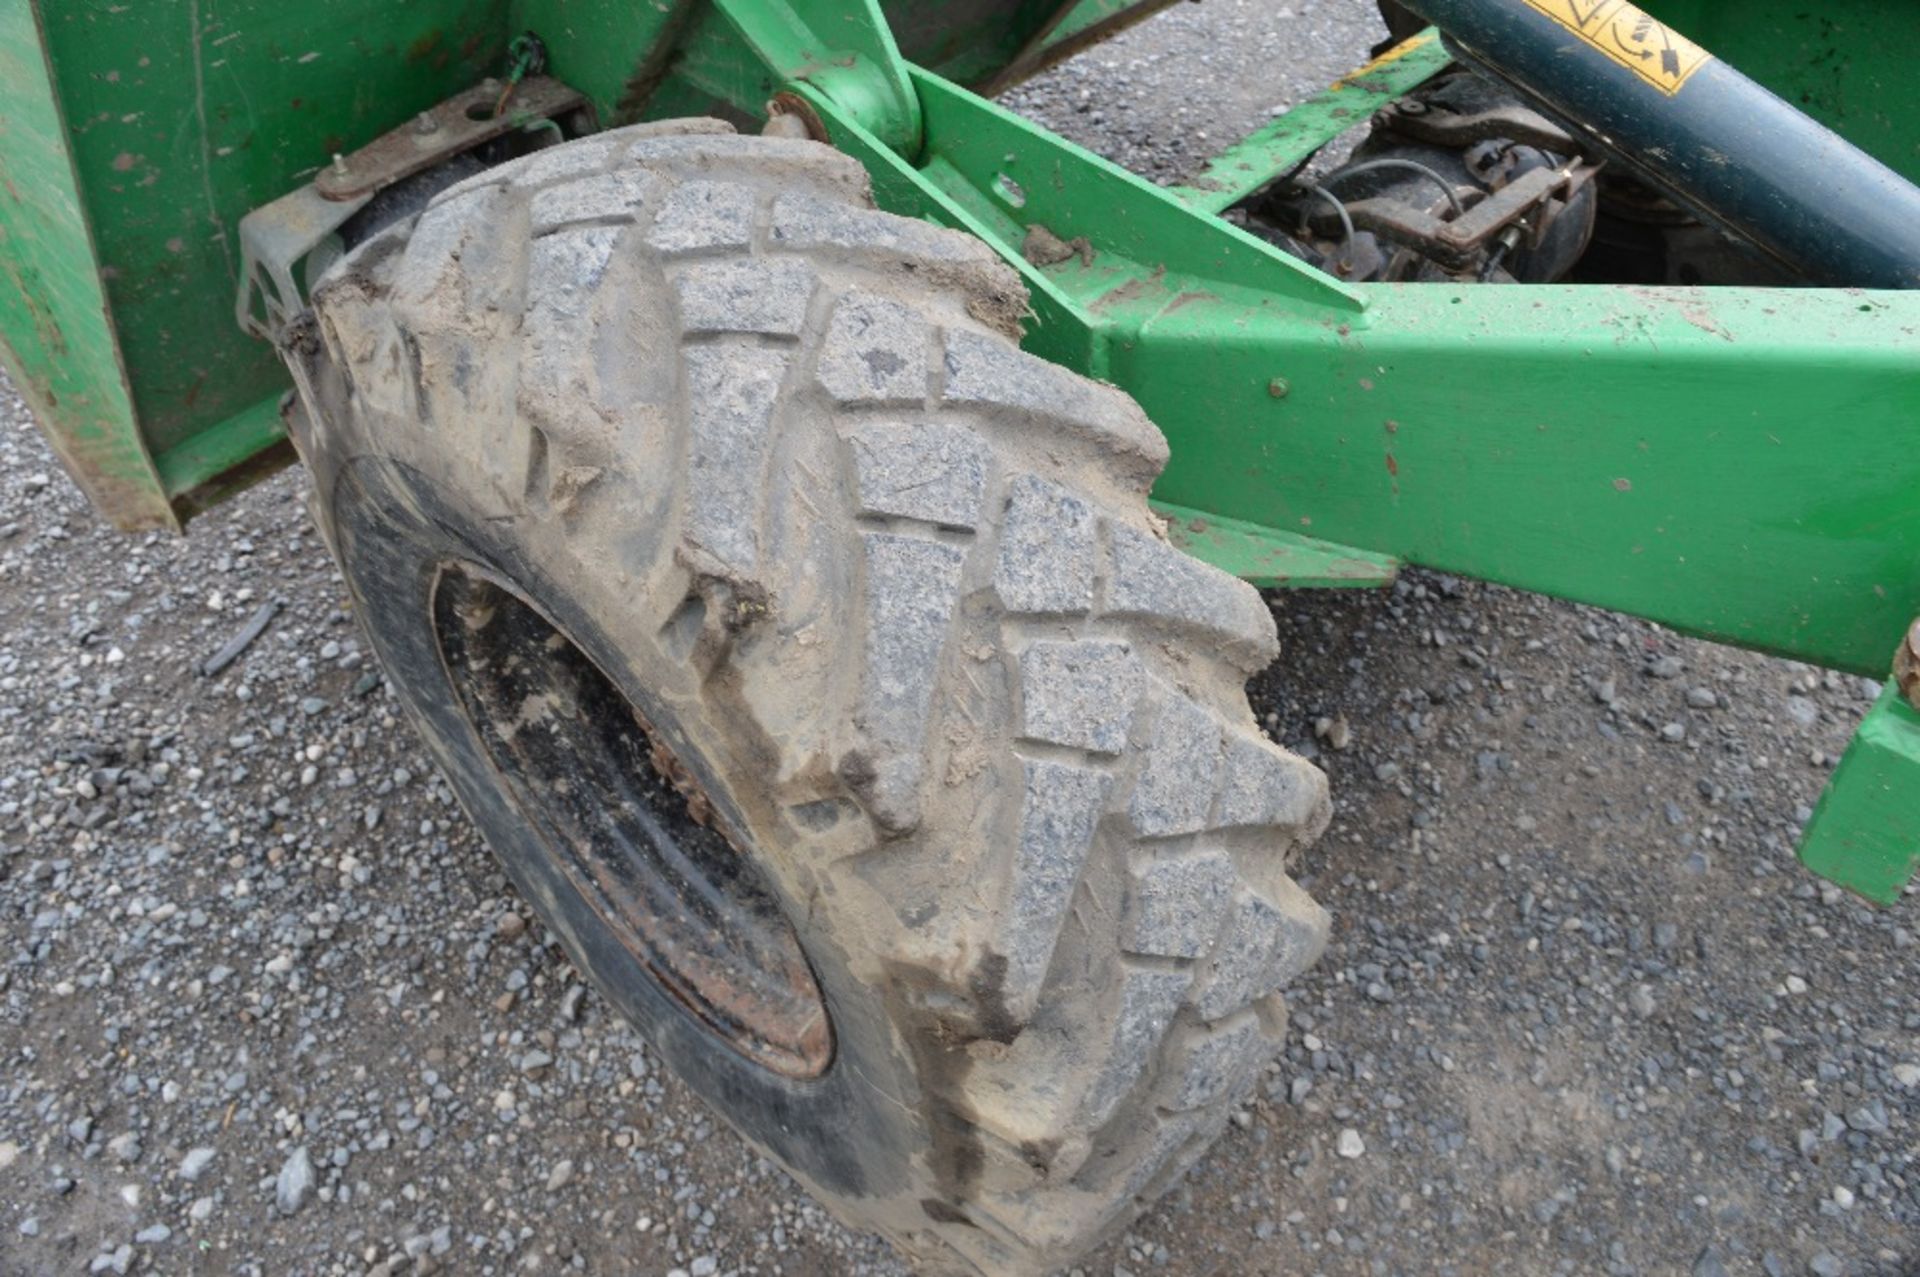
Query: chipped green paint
(1714, 459)
(1710, 459)
(159, 127)
(55, 331)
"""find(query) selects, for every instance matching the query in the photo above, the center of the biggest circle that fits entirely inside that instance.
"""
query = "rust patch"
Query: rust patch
(786, 106)
(444, 129)
(699, 806)
(1906, 665)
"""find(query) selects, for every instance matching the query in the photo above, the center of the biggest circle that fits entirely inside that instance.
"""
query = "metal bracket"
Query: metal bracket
(1281, 146)
(273, 241)
(1865, 831)
(845, 51)
(458, 124)
(1428, 122)
(277, 237)
(1456, 244)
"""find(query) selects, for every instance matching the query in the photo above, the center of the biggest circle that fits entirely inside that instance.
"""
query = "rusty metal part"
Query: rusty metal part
(277, 237)
(699, 806)
(457, 124)
(624, 807)
(1906, 665)
(1432, 122)
(786, 110)
(1458, 243)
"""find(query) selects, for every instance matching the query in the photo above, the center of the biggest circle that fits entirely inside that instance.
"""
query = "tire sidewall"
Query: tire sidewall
(848, 1131)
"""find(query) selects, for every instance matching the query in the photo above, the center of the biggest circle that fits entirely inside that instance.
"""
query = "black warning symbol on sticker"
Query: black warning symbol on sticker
(1631, 37)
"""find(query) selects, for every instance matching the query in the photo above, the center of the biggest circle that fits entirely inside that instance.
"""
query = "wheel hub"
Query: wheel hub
(626, 821)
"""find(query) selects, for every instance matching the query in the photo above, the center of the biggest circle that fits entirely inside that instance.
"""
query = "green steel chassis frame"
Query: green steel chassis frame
(1735, 463)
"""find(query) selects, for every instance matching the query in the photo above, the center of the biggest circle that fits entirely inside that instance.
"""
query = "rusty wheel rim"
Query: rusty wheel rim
(621, 815)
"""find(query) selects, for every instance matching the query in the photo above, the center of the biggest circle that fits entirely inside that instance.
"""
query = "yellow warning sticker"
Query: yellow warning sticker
(1650, 49)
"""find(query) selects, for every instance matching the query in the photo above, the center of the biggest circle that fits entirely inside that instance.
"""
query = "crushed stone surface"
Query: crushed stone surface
(268, 1006)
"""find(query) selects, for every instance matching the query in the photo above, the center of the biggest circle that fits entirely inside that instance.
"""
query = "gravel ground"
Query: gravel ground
(268, 1006)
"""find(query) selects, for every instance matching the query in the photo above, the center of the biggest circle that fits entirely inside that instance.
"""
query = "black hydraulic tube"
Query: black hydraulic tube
(1699, 131)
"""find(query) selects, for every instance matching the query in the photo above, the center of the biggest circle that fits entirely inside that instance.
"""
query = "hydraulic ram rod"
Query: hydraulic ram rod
(1700, 131)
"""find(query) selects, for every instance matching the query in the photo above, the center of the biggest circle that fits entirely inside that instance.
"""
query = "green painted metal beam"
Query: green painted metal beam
(178, 120)
(1142, 238)
(844, 49)
(1270, 558)
(1015, 177)
(200, 469)
(1865, 832)
(1289, 140)
(1717, 460)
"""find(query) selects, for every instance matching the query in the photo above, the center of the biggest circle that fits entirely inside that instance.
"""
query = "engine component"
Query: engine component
(1701, 132)
(1641, 237)
(1457, 180)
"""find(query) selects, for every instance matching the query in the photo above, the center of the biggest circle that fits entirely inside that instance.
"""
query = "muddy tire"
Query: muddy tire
(811, 658)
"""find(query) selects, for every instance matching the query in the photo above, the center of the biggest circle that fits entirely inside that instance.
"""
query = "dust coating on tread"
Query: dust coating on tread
(910, 571)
